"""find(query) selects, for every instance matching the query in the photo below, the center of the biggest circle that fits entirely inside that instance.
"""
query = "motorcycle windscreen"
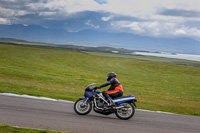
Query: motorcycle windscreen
(89, 94)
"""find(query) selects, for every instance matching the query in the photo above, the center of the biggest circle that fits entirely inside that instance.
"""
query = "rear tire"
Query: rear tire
(126, 112)
(81, 109)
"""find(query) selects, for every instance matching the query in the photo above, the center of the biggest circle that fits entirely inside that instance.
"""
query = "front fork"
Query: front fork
(86, 100)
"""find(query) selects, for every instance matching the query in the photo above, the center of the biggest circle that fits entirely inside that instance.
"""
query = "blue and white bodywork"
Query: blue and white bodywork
(123, 107)
(123, 99)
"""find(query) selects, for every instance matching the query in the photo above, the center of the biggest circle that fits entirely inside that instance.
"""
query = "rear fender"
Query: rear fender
(86, 99)
(134, 102)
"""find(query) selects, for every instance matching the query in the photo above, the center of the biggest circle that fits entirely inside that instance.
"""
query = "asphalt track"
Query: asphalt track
(60, 116)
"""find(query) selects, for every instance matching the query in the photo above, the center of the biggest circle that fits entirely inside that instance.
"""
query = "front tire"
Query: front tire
(126, 112)
(81, 108)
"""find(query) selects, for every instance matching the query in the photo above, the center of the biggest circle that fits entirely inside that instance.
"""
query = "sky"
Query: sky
(152, 18)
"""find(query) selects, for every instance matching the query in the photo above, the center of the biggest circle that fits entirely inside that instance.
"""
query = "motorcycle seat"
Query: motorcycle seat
(122, 97)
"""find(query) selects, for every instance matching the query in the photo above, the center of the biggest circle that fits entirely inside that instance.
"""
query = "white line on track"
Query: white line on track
(59, 100)
(34, 97)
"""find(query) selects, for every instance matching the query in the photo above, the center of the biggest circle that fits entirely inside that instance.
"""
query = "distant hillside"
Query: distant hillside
(93, 38)
(67, 46)
(11, 39)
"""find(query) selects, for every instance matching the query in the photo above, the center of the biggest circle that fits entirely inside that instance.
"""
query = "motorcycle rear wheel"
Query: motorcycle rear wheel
(82, 108)
(126, 112)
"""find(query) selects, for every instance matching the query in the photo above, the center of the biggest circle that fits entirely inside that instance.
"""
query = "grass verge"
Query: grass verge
(9, 129)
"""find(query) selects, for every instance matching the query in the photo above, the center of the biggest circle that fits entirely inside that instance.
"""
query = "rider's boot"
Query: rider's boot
(111, 103)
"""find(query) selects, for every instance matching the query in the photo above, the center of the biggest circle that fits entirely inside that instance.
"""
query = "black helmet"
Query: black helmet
(111, 75)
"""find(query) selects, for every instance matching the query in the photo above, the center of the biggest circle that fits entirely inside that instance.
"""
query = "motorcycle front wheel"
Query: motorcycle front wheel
(125, 112)
(81, 107)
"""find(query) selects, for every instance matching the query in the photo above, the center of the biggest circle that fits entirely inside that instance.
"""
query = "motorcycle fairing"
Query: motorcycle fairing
(124, 99)
(89, 93)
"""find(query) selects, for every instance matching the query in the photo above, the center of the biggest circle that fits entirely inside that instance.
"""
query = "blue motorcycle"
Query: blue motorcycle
(123, 107)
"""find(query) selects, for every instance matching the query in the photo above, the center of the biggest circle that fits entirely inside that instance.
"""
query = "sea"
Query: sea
(170, 55)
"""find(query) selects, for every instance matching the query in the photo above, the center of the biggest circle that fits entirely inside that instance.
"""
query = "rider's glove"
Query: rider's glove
(97, 87)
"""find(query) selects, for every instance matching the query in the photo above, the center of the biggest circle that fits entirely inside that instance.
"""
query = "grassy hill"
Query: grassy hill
(64, 73)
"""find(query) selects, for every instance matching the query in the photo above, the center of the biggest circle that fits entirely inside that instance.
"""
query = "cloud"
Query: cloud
(9, 0)
(142, 28)
(181, 13)
(155, 18)
(192, 32)
(4, 21)
(65, 7)
(101, 1)
(134, 8)
(180, 32)
(157, 29)
(141, 9)
(25, 24)
(11, 13)
(47, 13)
(92, 25)
(107, 18)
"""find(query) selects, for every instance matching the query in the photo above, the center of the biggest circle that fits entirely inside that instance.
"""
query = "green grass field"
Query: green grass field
(64, 73)
(9, 129)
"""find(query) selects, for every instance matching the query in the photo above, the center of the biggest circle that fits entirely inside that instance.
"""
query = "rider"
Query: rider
(115, 89)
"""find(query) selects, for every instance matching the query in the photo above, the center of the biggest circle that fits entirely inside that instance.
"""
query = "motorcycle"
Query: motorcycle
(123, 106)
